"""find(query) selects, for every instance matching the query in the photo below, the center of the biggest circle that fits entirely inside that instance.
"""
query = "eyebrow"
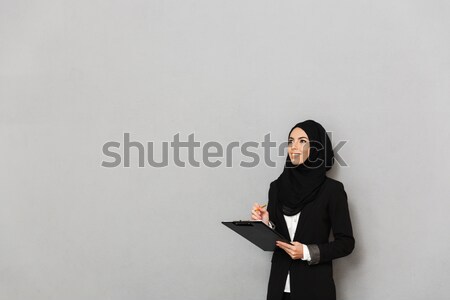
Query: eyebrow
(302, 137)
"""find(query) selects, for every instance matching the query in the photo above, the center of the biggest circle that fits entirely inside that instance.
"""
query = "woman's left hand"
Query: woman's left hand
(295, 250)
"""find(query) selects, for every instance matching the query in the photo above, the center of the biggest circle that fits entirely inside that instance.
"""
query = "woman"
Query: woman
(305, 205)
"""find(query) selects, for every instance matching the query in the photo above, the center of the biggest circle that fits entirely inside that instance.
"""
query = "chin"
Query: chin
(295, 163)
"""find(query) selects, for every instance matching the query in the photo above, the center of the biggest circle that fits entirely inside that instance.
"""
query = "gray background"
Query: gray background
(74, 75)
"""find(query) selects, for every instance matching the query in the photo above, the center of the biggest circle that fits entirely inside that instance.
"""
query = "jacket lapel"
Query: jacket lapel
(282, 223)
(304, 215)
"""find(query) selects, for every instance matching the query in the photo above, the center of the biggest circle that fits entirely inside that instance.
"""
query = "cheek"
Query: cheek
(306, 152)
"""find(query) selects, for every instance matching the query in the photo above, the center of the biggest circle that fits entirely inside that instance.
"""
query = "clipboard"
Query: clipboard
(258, 233)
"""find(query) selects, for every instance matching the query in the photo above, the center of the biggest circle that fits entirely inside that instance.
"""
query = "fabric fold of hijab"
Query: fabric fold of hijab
(298, 184)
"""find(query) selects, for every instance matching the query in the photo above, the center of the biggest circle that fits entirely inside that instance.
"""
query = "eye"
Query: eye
(303, 141)
(289, 142)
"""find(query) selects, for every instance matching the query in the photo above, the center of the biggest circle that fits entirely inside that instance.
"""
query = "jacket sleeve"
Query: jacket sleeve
(344, 242)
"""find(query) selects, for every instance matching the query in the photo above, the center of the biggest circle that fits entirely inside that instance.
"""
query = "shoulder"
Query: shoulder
(335, 192)
(273, 188)
(274, 184)
(333, 184)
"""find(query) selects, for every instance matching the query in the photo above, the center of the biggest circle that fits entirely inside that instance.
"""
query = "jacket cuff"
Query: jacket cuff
(314, 252)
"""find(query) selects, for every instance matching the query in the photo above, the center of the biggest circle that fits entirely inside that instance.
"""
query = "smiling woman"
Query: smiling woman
(298, 146)
(305, 205)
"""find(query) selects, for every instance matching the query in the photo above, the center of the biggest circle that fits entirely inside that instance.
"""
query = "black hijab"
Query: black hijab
(298, 185)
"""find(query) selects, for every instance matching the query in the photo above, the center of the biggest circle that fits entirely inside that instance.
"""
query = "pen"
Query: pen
(262, 206)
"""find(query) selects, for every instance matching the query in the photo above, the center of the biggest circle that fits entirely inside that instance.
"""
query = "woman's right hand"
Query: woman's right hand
(260, 213)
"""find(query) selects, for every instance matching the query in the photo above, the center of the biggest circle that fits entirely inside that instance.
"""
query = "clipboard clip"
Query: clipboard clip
(242, 223)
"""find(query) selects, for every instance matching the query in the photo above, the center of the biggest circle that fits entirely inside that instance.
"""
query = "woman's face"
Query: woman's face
(298, 146)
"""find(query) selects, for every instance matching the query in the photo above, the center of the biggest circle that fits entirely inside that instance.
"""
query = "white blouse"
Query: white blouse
(291, 222)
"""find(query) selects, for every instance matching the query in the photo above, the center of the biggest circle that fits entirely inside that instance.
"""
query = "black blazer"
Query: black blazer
(312, 280)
